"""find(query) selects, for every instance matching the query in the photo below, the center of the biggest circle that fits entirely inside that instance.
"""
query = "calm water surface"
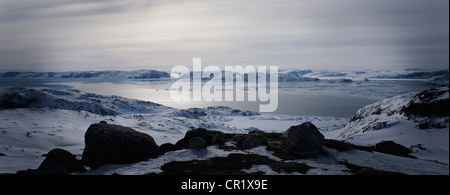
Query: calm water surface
(297, 98)
(294, 98)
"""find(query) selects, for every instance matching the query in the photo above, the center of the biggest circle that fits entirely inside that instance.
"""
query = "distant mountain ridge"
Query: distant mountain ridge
(113, 74)
(439, 77)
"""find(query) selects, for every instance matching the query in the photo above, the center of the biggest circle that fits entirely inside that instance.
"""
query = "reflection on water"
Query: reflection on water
(297, 98)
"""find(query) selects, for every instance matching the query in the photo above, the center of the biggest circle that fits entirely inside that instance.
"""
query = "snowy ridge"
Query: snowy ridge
(113, 74)
(440, 77)
(292, 77)
(389, 112)
(73, 99)
(417, 120)
(212, 110)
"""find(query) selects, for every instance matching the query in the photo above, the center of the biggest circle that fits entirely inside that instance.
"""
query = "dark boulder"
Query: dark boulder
(26, 172)
(256, 132)
(115, 144)
(59, 162)
(390, 147)
(218, 141)
(211, 137)
(197, 143)
(253, 139)
(340, 146)
(302, 140)
(164, 148)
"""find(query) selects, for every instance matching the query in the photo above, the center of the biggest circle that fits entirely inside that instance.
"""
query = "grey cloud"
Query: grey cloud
(139, 33)
(54, 8)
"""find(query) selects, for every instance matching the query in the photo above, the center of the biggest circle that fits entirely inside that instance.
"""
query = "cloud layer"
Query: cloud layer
(120, 34)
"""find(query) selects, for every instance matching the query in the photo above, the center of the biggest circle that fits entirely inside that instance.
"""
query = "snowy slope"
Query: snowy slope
(416, 120)
(30, 130)
(73, 99)
(42, 119)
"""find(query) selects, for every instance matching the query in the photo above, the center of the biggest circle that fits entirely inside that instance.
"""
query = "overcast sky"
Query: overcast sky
(305, 34)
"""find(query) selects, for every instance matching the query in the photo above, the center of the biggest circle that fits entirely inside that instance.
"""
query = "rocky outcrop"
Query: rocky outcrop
(429, 103)
(116, 144)
(105, 143)
(164, 148)
(390, 147)
(360, 170)
(59, 162)
(340, 146)
(302, 140)
(427, 109)
(233, 164)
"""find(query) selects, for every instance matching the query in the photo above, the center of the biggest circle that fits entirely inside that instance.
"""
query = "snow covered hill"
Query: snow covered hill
(113, 74)
(34, 121)
(417, 120)
(73, 99)
(439, 77)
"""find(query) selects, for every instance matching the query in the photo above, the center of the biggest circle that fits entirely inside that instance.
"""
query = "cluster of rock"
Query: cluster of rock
(114, 144)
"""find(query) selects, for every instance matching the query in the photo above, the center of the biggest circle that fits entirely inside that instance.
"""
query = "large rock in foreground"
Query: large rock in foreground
(115, 144)
(302, 140)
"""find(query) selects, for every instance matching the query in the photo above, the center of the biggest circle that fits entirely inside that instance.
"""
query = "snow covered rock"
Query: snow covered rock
(212, 110)
(59, 162)
(190, 113)
(427, 109)
(428, 103)
(293, 77)
(302, 140)
(106, 143)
